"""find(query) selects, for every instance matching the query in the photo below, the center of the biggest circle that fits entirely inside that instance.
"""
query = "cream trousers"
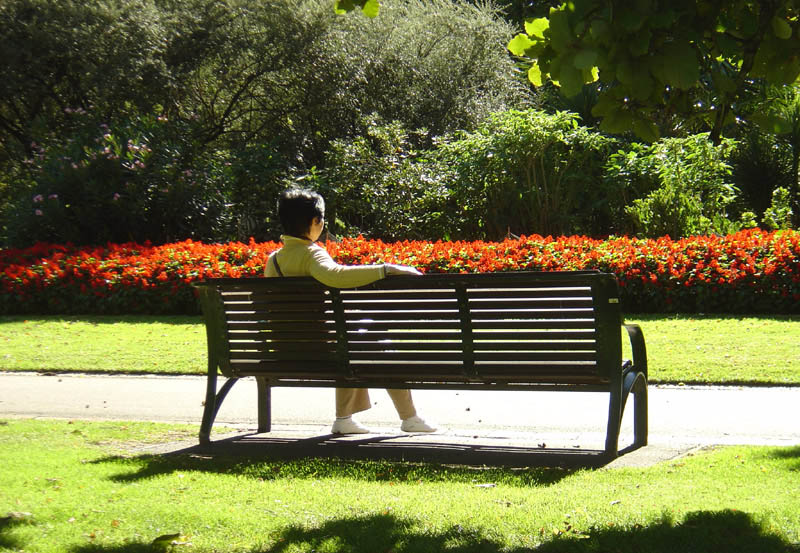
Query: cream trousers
(355, 400)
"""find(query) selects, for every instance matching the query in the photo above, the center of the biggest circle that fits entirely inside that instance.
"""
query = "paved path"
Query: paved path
(681, 418)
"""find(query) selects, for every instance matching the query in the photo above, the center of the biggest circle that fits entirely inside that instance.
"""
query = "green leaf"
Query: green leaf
(639, 43)
(677, 66)
(371, 8)
(600, 29)
(625, 72)
(606, 103)
(560, 34)
(723, 82)
(519, 44)
(662, 19)
(781, 28)
(343, 6)
(784, 73)
(535, 74)
(646, 129)
(630, 18)
(727, 46)
(585, 59)
(617, 121)
(571, 80)
(537, 27)
(642, 87)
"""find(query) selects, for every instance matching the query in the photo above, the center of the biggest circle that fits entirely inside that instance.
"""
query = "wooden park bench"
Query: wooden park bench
(492, 331)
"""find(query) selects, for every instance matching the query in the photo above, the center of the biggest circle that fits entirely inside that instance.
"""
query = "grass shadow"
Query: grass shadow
(401, 448)
(790, 454)
(699, 532)
(136, 547)
(7, 524)
(363, 459)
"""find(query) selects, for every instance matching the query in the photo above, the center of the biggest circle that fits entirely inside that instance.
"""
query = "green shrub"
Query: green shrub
(759, 166)
(254, 175)
(379, 186)
(529, 172)
(135, 180)
(692, 190)
(778, 215)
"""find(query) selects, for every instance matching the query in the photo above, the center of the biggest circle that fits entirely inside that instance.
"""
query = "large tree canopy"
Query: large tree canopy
(695, 58)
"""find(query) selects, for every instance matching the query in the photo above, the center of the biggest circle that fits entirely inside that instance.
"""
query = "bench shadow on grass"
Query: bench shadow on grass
(791, 454)
(7, 541)
(365, 458)
(701, 531)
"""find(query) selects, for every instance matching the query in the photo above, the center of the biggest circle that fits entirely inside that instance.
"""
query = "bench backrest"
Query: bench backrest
(522, 327)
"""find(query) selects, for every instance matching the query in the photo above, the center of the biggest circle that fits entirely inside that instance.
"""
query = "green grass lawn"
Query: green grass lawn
(681, 348)
(76, 487)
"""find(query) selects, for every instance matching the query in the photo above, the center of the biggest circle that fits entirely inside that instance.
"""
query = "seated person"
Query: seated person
(302, 215)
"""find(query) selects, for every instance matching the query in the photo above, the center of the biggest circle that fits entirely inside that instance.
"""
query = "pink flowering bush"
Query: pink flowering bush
(751, 271)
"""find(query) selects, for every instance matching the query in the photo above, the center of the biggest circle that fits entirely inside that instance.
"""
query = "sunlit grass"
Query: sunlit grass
(81, 486)
(722, 349)
(681, 348)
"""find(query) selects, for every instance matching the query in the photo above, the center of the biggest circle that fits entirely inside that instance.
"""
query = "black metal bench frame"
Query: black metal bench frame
(495, 331)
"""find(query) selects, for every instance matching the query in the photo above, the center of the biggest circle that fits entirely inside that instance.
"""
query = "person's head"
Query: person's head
(301, 211)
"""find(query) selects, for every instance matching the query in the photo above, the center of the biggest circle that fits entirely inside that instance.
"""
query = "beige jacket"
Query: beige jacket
(301, 257)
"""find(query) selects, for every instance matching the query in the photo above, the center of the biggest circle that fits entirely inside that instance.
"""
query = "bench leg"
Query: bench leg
(638, 387)
(213, 402)
(634, 383)
(264, 405)
(615, 407)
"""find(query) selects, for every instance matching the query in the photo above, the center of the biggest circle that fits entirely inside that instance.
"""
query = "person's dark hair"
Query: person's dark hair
(297, 208)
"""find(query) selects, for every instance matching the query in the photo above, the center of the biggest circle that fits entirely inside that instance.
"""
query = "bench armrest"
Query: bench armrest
(636, 337)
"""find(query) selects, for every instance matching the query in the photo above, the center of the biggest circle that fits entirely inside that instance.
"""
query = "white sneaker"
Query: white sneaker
(348, 426)
(416, 424)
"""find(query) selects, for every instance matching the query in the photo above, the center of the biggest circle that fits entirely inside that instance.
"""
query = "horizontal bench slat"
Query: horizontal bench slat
(264, 347)
(319, 355)
(278, 296)
(529, 292)
(279, 326)
(521, 357)
(479, 314)
(279, 316)
(400, 314)
(382, 345)
(269, 307)
(526, 303)
(532, 324)
(381, 304)
(483, 334)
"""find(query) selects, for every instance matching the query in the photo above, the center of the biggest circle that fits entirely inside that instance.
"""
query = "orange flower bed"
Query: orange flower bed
(752, 271)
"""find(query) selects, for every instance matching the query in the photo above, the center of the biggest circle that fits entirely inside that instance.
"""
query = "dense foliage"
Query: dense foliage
(696, 59)
(165, 121)
(233, 100)
(750, 271)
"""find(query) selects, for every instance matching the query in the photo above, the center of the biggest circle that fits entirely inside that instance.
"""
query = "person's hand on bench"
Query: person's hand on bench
(392, 269)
